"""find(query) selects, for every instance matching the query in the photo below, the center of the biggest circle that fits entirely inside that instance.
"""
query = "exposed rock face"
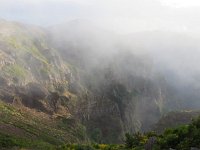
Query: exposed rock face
(31, 71)
(66, 76)
(111, 98)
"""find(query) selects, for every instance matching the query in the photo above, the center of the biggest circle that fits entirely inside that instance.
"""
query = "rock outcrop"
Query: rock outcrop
(62, 73)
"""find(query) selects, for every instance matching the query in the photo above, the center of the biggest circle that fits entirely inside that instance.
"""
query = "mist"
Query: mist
(113, 65)
(121, 16)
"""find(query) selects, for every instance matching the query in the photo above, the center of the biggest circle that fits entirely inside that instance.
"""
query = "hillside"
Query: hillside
(83, 81)
(175, 119)
(37, 74)
(24, 127)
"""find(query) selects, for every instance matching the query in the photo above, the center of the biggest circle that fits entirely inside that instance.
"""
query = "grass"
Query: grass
(24, 44)
(15, 70)
(25, 128)
(35, 128)
(10, 141)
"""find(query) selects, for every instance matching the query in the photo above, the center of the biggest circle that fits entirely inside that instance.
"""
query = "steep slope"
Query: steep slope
(87, 75)
(175, 119)
(65, 77)
(31, 72)
(124, 89)
(34, 76)
(24, 127)
(131, 80)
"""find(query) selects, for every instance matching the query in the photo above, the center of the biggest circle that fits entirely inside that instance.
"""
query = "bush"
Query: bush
(135, 140)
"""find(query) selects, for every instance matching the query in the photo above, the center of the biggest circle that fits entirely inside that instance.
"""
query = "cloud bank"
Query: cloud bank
(124, 16)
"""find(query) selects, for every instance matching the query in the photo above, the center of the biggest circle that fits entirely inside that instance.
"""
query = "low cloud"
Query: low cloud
(123, 16)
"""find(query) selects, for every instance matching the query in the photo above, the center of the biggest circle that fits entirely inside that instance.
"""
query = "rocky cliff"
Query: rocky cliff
(76, 74)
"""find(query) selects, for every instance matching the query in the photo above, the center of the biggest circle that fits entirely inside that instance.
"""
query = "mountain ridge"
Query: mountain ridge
(90, 78)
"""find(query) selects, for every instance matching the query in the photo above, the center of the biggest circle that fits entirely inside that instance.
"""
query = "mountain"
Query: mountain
(86, 82)
(175, 119)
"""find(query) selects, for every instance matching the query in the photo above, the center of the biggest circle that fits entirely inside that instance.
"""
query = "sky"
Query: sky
(124, 16)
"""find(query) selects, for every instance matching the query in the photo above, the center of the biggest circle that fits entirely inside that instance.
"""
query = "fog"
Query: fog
(122, 16)
(151, 46)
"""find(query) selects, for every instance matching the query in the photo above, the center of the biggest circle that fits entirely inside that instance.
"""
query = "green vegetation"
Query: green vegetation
(25, 44)
(34, 130)
(96, 135)
(135, 140)
(26, 55)
(15, 70)
(9, 141)
(181, 138)
(33, 133)
(91, 147)
(25, 128)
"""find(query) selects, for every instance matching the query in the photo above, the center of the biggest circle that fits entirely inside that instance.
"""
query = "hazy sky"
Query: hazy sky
(119, 15)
